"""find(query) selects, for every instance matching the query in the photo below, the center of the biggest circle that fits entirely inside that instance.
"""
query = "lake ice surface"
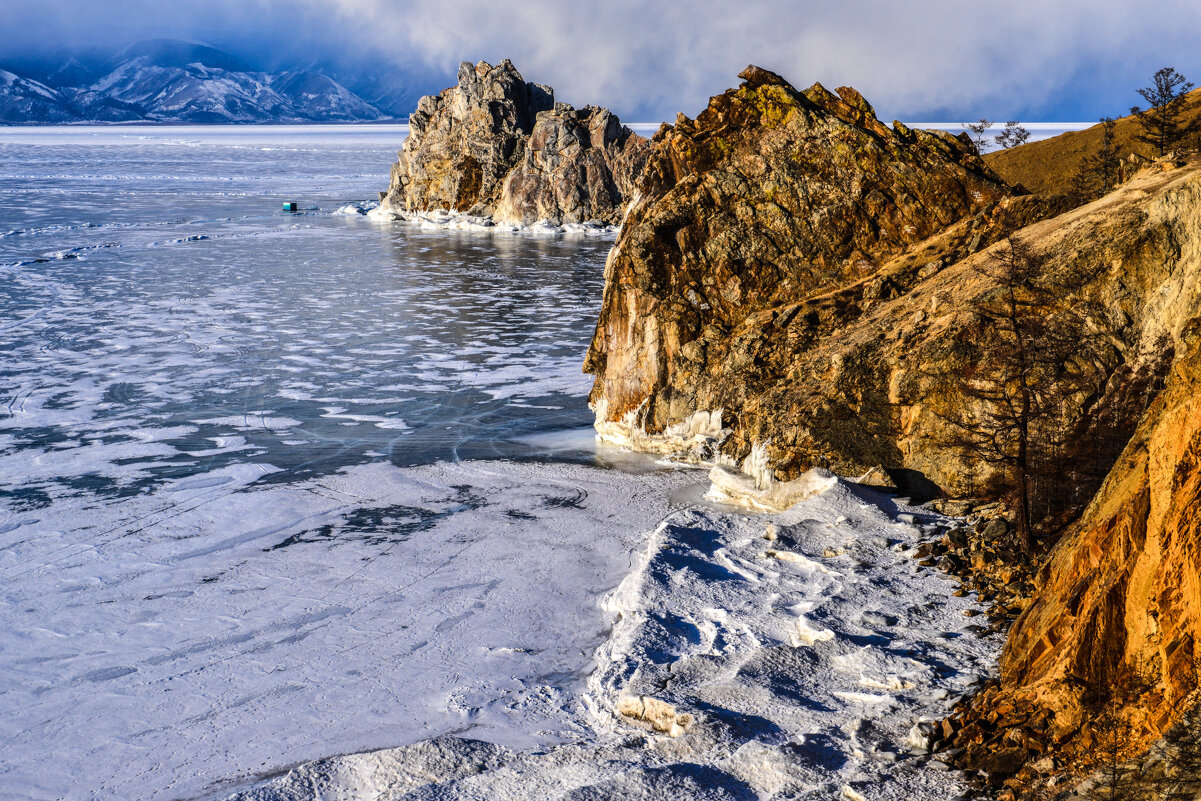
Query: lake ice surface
(279, 487)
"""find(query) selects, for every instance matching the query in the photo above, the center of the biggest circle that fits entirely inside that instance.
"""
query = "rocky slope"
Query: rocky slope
(771, 227)
(1047, 166)
(801, 286)
(494, 145)
(1116, 620)
(1111, 641)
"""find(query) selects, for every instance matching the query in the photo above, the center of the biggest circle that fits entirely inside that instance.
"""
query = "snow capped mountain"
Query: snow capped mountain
(23, 99)
(322, 97)
(194, 92)
(172, 81)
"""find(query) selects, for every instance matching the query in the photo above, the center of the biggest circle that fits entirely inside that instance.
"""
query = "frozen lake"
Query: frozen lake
(203, 405)
(276, 487)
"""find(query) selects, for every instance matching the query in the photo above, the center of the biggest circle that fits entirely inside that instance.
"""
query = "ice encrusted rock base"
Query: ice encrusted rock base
(694, 439)
(737, 667)
(697, 440)
(445, 219)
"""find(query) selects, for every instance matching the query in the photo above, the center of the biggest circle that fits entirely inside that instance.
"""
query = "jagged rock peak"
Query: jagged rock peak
(497, 145)
(754, 77)
(769, 197)
(498, 90)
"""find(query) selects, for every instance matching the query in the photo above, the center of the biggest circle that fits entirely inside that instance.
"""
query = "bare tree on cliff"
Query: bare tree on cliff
(1117, 777)
(975, 131)
(1012, 135)
(1098, 173)
(1161, 121)
(1013, 370)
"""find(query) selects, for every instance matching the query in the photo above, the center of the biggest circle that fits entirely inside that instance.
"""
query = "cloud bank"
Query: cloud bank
(1068, 59)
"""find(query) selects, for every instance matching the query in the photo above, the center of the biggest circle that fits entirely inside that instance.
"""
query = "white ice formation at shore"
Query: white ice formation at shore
(456, 221)
(695, 440)
(736, 667)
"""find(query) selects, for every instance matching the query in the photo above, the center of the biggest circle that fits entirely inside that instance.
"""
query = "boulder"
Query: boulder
(878, 478)
(659, 716)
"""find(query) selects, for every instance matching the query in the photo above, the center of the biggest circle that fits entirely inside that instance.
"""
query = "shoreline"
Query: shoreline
(732, 669)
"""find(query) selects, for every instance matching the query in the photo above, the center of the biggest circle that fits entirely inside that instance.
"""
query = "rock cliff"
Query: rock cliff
(794, 288)
(1115, 625)
(495, 145)
(1119, 603)
(798, 282)
(774, 219)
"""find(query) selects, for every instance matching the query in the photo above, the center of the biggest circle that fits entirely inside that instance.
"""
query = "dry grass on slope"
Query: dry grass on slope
(1047, 166)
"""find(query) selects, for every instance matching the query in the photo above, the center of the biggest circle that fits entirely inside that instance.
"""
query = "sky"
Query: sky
(919, 60)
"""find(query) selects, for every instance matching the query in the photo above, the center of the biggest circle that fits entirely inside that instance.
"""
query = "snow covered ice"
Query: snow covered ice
(300, 506)
(736, 667)
(221, 628)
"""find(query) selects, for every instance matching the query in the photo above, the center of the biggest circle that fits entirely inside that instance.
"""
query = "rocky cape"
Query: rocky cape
(497, 146)
(798, 285)
(772, 281)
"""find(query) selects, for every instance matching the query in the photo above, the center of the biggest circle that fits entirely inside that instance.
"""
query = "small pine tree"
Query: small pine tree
(1013, 134)
(1161, 122)
(1084, 186)
(976, 132)
(1181, 748)
(1116, 776)
(1098, 173)
(1183, 758)
(1106, 161)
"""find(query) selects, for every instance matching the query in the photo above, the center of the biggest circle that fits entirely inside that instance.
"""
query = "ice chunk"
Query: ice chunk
(659, 715)
(760, 492)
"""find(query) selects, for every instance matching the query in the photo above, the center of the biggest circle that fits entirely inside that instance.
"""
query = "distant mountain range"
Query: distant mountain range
(174, 81)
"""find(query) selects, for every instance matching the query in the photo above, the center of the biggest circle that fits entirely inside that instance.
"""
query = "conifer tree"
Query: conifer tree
(1181, 749)
(975, 131)
(1012, 135)
(1014, 367)
(1161, 120)
(1117, 776)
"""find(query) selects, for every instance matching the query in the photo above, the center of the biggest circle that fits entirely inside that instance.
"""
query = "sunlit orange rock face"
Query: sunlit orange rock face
(1118, 611)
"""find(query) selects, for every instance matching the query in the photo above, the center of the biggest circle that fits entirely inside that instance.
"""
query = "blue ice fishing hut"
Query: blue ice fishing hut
(290, 205)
